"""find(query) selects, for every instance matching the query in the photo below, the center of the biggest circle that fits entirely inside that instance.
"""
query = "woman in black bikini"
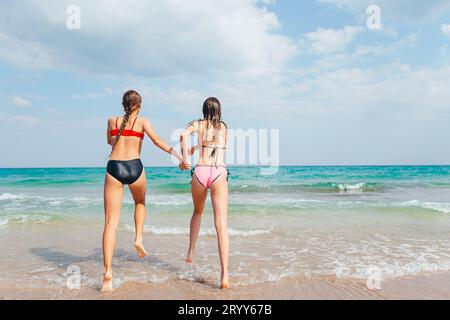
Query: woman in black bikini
(125, 168)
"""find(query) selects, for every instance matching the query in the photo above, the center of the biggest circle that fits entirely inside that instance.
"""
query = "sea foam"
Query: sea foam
(436, 206)
(23, 218)
(204, 231)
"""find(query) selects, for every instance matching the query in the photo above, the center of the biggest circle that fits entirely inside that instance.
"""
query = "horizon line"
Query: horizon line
(247, 166)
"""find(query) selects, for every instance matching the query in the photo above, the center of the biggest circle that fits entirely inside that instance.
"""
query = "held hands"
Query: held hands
(185, 165)
(185, 162)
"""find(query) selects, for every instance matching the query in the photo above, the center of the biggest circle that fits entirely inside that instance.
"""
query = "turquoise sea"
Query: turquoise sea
(304, 221)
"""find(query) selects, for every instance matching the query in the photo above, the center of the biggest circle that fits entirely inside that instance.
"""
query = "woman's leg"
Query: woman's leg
(138, 190)
(199, 194)
(113, 193)
(219, 200)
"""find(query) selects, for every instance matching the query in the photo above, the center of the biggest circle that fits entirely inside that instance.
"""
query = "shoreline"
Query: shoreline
(250, 166)
(303, 234)
(422, 287)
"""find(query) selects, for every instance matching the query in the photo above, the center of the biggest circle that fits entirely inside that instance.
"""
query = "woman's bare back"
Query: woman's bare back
(128, 147)
(212, 142)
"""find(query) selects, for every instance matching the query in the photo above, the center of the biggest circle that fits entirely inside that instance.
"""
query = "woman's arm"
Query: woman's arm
(226, 136)
(108, 132)
(185, 150)
(157, 141)
(193, 149)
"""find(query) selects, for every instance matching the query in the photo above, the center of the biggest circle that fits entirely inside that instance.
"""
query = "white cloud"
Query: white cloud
(151, 39)
(26, 119)
(445, 28)
(404, 11)
(331, 40)
(268, 2)
(21, 102)
(14, 119)
(387, 89)
(180, 99)
(340, 112)
(27, 54)
(408, 41)
(93, 95)
(386, 114)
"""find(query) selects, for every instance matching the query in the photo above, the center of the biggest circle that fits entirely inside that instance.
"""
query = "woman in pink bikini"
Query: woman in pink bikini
(209, 173)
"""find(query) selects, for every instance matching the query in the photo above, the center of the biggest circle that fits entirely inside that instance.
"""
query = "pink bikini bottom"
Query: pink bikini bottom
(206, 175)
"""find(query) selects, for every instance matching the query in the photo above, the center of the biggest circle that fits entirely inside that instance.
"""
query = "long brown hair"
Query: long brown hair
(131, 101)
(212, 112)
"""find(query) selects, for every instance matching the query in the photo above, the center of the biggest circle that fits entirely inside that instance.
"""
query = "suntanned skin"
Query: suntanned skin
(219, 199)
(127, 148)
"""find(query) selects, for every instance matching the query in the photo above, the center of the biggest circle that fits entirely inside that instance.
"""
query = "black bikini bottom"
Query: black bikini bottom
(127, 172)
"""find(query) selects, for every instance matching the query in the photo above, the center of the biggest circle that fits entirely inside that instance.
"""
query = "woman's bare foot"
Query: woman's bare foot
(224, 283)
(189, 258)
(107, 282)
(140, 250)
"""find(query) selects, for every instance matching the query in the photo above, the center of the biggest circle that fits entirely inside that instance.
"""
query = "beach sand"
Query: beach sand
(431, 286)
(31, 269)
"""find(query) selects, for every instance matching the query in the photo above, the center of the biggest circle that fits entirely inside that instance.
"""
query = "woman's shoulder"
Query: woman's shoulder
(196, 124)
(196, 121)
(223, 125)
(143, 119)
(112, 120)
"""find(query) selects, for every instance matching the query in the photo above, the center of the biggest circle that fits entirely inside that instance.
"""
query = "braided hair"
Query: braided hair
(131, 101)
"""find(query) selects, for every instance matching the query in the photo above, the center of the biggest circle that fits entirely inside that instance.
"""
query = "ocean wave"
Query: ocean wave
(42, 203)
(23, 219)
(332, 187)
(397, 207)
(169, 199)
(317, 187)
(208, 231)
(65, 202)
(11, 203)
(387, 267)
(49, 181)
(29, 202)
(10, 196)
(435, 206)
(271, 200)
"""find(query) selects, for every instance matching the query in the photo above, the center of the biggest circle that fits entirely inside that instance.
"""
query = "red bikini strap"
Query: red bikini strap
(116, 123)
(133, 123)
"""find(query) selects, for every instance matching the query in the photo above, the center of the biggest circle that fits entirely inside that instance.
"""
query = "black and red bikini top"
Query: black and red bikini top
(127, 133)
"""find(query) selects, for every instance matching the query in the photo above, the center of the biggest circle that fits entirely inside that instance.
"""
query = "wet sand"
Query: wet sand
(430, 286)
(32, 269)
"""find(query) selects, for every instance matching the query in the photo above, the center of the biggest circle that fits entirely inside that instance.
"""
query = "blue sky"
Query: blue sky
(339, 92)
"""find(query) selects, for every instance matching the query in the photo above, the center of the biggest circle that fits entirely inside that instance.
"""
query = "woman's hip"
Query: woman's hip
(125, 171)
